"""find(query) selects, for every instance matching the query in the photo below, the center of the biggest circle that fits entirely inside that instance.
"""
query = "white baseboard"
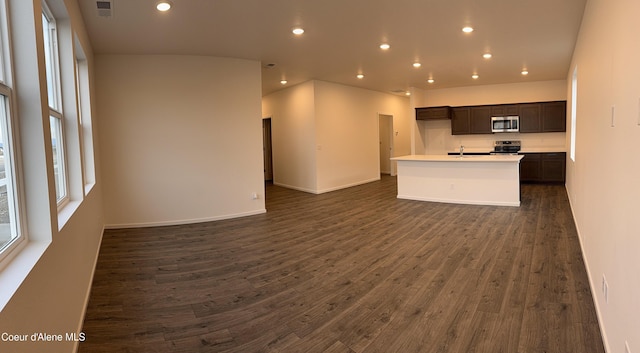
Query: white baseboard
(345, 186)
(335, 188)
(184, 221)
(588, 270)
(292, 187)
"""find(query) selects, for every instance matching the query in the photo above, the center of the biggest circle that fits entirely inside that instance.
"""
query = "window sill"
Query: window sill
(88, 188)
(16, 271)
(66, 212)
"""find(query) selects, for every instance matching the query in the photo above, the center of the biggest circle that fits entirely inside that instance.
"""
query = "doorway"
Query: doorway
(385, 123)
(267, 149)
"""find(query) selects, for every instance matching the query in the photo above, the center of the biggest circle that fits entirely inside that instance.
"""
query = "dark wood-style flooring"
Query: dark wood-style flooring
(354, 270)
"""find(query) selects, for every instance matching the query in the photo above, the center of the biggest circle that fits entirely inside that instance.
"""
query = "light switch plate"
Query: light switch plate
(613, 116)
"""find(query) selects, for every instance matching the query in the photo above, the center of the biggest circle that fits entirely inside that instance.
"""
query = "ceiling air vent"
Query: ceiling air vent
(104, 8)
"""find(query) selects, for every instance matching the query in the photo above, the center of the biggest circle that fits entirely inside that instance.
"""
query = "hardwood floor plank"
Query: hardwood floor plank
(355, 270)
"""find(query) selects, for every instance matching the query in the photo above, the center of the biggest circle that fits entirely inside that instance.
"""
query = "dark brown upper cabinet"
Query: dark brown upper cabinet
(529, 117)
(433, 113)
(504, 110)
(471, 120)
(554, 116)
(460, 121)
(534, 117)
(481, 119)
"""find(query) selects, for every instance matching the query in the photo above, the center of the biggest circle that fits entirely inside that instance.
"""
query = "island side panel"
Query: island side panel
(468, 182)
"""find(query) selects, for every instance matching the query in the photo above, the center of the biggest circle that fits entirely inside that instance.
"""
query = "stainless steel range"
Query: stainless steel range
(506, 147)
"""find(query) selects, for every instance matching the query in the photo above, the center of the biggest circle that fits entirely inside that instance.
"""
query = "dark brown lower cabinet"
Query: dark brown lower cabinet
(543, 167)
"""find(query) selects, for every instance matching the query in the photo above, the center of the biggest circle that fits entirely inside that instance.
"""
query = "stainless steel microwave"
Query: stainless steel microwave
(505, 124)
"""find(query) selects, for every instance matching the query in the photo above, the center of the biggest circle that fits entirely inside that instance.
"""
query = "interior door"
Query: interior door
(266, 149)
(385, 123)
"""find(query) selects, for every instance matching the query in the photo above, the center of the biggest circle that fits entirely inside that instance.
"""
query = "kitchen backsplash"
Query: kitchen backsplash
(438, 139)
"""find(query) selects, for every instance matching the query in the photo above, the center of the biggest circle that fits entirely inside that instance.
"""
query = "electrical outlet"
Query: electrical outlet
(255, 196)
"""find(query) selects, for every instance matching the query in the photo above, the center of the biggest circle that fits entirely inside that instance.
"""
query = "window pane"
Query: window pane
(49, 57)
(58, 158)
(84, 113)
(8, 223)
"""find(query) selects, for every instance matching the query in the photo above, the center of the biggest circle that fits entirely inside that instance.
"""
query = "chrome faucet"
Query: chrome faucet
(461, 150)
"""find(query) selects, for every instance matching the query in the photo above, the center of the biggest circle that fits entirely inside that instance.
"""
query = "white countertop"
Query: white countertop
(457, 158)
(542, 150)
(524, 150)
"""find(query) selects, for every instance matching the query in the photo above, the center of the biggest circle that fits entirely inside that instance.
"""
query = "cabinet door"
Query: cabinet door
(504, 110)
(554, 116)
(529, 117)
(531, 167)
(554, 167)
(433, 113)
(460, 121)
(481, 120)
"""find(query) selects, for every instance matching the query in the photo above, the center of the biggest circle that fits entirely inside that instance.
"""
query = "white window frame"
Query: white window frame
(9, 138)
(83, 101)
(574, 112)
(54, 88)
(56, 122)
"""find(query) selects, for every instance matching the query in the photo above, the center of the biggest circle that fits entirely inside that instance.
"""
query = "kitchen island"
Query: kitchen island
(478, 180)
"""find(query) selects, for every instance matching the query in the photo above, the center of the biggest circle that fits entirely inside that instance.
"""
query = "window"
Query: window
(10, 231)
(8, 205)
(574, 102)
(56, 119)
(84, 117)
(58, 157)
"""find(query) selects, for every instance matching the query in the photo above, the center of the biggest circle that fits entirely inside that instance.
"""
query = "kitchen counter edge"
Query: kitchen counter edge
(457, 158)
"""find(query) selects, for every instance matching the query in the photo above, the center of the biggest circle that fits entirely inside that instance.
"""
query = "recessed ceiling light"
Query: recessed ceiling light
(487, 55)
(297, 31)
(384, 46)
(525, 72)
(431, 80)
(407, 93)
(417, 65)
(283, 82)
(467, 29)
(163, 6)
(475, 76)
(360, 76)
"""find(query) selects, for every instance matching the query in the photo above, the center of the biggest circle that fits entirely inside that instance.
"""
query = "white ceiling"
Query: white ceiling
(342, 38)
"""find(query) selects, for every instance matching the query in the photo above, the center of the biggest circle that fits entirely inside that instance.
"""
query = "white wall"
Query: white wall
(497, 94)
(603, 181)
(347, 133)
(434, 137)
(293, 135)
(53, 296)
(418, 131)
(325, 135)
(181, 138)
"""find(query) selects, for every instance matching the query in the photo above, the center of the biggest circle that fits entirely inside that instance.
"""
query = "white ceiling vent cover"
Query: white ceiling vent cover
(104, 8)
